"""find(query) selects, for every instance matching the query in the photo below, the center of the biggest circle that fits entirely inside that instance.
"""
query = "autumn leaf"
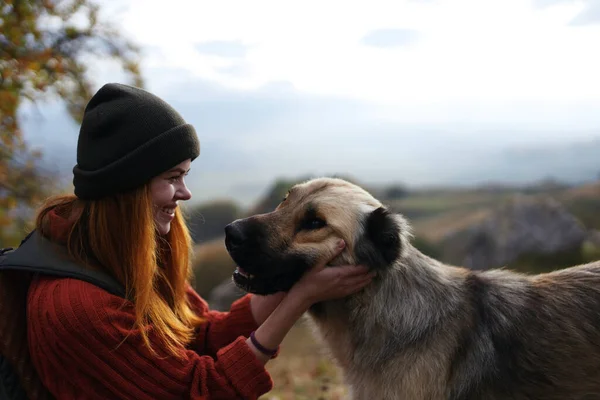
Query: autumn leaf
(36, 57)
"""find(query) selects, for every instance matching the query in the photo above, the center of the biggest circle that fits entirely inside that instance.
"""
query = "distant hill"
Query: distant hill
(574, 163)
(437, 214)
(433, 211)
(405, 156)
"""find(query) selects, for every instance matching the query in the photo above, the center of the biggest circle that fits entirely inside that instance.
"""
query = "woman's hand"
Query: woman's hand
(325, 283)
(263, 306)
(318, 284)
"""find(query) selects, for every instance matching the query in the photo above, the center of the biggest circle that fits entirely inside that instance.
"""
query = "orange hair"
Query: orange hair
(118, 234)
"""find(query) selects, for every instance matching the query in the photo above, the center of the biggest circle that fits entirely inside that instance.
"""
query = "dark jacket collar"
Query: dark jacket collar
(36, 254)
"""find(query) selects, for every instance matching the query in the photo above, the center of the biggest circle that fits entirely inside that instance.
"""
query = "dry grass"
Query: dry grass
(437, 227)
(589, 191)
(302, 371)
(584, 203)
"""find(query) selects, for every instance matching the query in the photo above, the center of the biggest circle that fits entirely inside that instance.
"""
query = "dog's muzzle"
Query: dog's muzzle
(241, 241)
(261, 269)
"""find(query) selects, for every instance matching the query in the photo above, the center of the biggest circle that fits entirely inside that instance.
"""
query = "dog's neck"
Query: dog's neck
(422, 289)
(409, 299)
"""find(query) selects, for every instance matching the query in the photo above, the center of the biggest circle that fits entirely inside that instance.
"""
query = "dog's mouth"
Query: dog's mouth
(245, 280)
(262, 285)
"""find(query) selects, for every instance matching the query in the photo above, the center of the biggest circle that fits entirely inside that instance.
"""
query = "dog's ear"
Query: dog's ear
(380, 244)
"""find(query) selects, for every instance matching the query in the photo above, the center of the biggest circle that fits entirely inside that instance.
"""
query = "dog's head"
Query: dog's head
(274, 250)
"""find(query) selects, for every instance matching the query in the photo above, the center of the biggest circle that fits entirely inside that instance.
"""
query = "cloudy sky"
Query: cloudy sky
(416, 91)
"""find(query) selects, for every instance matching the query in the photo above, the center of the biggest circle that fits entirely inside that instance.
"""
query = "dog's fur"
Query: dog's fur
(423, 329)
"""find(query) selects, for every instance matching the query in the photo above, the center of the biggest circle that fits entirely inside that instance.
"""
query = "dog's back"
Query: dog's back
(495, 335)
(537, 339)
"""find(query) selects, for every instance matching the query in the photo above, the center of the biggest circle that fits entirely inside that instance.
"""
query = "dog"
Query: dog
(423, 329)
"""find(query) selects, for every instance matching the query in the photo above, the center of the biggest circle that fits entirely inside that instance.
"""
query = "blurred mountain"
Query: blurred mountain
(378, 155)
(570, 162)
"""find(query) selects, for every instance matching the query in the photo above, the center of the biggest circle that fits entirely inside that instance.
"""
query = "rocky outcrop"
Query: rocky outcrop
(594, 238)
(523, 225)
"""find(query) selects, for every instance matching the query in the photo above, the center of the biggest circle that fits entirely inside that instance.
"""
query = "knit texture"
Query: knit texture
(83, 345)
(127, 137)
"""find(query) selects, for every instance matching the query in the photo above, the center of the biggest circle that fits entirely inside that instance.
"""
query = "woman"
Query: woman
(162, 342)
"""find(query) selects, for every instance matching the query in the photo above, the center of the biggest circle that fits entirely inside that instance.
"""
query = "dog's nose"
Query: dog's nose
(234, 236)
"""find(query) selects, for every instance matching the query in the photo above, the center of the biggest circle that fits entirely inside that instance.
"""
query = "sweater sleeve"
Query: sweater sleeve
(82, 337)
(222, 328)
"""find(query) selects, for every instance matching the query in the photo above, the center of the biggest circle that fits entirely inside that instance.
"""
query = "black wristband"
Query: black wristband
(262, 348)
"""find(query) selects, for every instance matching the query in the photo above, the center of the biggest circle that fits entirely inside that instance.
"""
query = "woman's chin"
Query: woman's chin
(163, 228)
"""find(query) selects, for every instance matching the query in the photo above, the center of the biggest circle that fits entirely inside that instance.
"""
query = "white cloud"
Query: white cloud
(291, 88)
(222, 48)
(387, 38)
(469, 50)
(590, 15)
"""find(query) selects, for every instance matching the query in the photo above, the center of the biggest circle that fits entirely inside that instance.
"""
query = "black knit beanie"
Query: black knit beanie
(127, 137)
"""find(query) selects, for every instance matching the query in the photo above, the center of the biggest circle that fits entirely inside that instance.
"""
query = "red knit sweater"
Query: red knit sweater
(82, 346)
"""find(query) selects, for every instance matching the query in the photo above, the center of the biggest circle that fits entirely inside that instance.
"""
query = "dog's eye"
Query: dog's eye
(313, 223)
